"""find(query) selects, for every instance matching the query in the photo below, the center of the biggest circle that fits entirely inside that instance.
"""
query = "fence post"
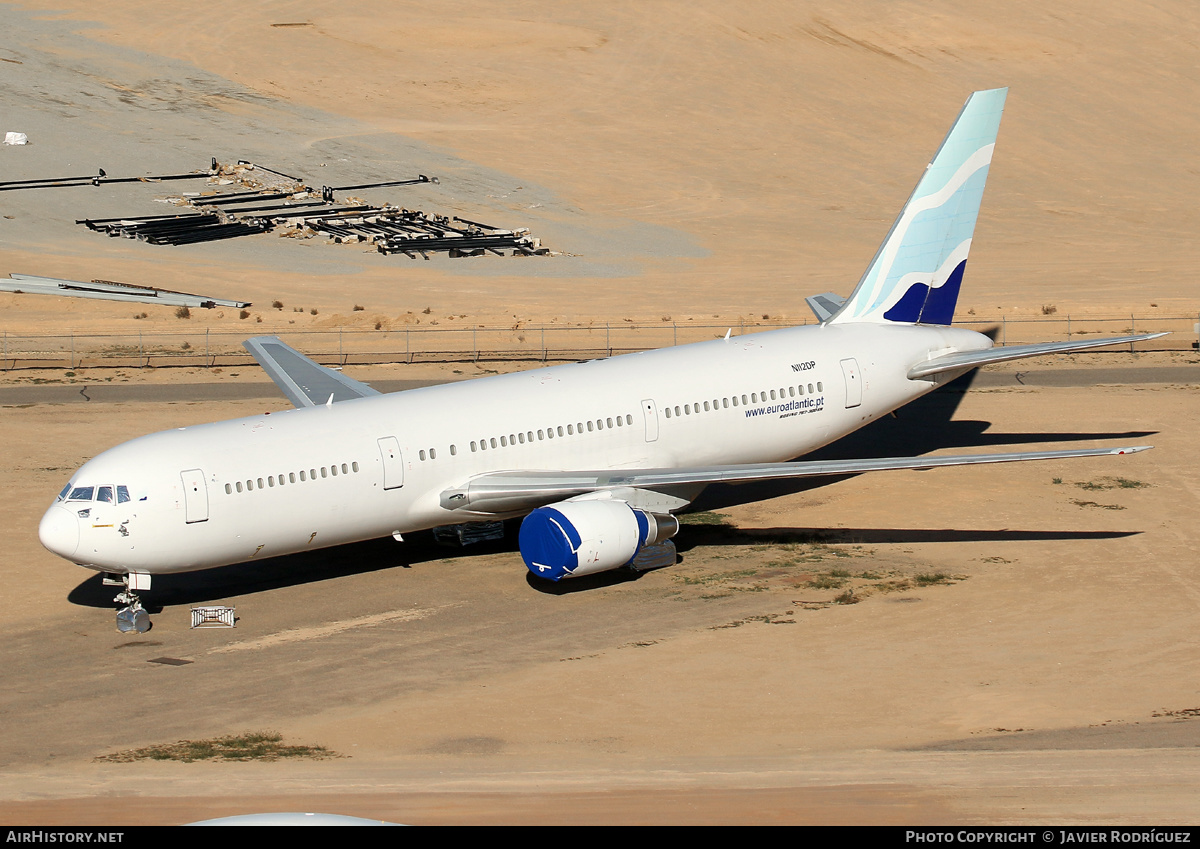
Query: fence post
(1068, 327)
(674, 333)
(207, 361)
(140, 355)
(1132, 329)
(72, 349)
(1003, 330)
(607, 343)
(543, 343)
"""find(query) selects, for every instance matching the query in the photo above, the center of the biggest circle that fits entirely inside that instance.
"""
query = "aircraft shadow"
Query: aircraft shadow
(698, 536)
(241, 579)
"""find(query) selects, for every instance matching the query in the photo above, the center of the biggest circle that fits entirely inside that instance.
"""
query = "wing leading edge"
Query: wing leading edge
(504, 492)
(304, 382)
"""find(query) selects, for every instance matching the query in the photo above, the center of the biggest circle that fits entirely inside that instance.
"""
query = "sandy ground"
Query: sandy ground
(684, 160)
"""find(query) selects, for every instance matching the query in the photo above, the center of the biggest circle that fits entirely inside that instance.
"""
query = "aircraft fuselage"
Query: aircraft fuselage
(289, 481)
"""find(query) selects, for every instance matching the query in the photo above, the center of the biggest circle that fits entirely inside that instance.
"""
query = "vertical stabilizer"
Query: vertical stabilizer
(916, 273)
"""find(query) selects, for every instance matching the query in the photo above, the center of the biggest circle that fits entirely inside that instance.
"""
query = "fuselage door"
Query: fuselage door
(195, 496)
(853, 382)
(393, 462)
(650, 411)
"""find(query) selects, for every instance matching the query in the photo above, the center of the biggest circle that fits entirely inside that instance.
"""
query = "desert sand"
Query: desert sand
(695, 161)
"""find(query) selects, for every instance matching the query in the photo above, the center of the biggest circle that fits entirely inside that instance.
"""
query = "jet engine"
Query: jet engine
(574, 538)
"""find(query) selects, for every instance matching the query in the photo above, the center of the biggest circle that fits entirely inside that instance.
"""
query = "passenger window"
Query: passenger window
(302, 475)
(432, 453)
(521, 436)
(628, 419)
(270, 480)
(229, 489)
(504, 441)
(453, 450)
(610, 423)
(334, 470)
(239, 486)
(292, 477)
(589, 427)
(810, 389)
(819, 387)
(323, 472)
(494, 442)
(354, 465)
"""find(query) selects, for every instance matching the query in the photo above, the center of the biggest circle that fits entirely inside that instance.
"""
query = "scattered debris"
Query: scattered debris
(284, 201)
(16, 138)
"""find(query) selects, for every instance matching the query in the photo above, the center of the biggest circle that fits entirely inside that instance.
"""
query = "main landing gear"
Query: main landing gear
(131, 617)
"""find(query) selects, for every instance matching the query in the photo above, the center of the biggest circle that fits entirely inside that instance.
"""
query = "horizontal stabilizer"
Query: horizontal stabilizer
(970, 359)
(504, 492)
(824, 306)
(304, 382)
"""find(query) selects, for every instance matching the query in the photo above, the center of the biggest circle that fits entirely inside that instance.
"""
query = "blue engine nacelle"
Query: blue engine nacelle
(574, 538)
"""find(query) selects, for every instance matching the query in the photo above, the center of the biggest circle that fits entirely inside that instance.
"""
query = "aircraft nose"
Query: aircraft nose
(59, 531)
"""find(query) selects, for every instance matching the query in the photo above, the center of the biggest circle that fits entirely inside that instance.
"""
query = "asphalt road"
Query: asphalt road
(82, 393)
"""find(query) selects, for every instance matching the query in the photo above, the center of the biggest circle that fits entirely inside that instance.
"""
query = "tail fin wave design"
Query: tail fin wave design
(917, 271)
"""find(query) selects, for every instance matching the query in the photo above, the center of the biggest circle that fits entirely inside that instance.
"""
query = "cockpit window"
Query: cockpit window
(105, 494)
(82, 493)
(122, 494)
(64, 492)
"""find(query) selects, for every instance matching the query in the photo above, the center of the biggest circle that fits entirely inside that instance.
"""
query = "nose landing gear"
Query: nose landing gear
(131, 617)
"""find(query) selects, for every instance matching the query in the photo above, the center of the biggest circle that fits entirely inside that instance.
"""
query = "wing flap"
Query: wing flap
(505, 492)
(304, 382)
(971, 359)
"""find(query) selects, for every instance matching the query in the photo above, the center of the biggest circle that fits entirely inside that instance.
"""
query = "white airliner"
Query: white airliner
(597, 456)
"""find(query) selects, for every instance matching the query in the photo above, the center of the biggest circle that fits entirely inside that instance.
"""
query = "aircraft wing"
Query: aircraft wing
(304, 382)
(970, 359)
(503, 492)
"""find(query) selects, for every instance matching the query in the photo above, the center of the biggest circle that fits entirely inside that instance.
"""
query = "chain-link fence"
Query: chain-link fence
(207, 348)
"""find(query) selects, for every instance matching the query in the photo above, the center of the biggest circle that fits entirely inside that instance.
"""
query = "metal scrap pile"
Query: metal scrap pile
(276, 199)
